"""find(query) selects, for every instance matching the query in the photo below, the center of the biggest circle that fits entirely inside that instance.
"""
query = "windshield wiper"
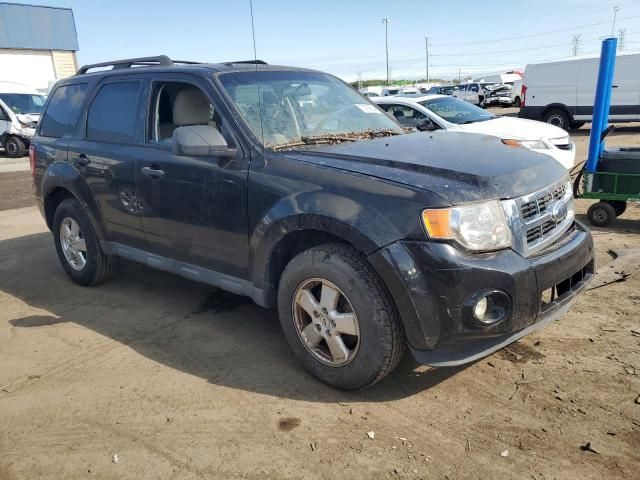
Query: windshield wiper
(331, 139)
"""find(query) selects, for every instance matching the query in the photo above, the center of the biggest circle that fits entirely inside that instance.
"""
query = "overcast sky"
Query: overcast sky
(346, 37)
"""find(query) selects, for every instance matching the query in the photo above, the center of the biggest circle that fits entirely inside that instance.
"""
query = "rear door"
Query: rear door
(194, 208)
(58, 124)
(104, 152)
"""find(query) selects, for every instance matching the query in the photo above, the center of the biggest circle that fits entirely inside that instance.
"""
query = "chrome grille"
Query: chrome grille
(539, 205)
(540, 218)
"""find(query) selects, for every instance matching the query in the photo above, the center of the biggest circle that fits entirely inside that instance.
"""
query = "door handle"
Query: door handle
(81, 160)
(152, 172)
(614, 86)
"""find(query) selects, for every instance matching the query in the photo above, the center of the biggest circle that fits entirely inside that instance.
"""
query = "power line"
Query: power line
(530, 35)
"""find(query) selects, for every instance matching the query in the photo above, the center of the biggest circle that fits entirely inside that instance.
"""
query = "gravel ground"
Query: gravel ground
(154, 376)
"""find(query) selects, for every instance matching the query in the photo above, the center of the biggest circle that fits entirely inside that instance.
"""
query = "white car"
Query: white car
(433, 112)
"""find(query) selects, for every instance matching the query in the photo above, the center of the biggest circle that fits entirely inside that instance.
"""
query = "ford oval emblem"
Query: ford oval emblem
(558, 211)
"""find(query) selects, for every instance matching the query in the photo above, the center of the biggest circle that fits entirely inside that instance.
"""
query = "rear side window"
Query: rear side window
(113, 115)
(63, 111)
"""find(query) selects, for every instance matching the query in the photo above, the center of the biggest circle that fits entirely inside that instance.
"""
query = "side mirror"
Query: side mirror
(201, 141)
(426, 126)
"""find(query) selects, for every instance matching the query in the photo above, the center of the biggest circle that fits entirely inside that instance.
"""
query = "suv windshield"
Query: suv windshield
(456, 111)
(304, 107)
(23, 102)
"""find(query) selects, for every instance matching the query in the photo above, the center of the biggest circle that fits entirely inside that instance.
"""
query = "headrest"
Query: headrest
(191, 107)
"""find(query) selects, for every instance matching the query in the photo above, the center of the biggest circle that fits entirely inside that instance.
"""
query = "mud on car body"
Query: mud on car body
(287, 186)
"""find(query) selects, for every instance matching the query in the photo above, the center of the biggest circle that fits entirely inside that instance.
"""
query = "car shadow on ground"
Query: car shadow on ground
(220, 337)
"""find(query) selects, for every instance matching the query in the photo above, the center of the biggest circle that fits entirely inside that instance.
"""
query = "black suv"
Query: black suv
(287, 186)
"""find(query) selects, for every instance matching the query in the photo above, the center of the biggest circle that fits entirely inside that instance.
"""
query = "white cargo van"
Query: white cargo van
(562, 92)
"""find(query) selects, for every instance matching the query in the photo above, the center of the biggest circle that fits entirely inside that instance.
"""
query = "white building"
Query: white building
(38, 44)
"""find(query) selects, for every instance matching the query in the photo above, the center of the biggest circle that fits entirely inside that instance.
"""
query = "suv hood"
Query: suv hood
(518, 128)
(460, 167)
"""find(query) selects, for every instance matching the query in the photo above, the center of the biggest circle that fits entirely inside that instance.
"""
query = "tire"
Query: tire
(516, 102)
(379, 342)
(15, 147)
(619, 206)
(558, 118)
(601, 214)
(96, 267)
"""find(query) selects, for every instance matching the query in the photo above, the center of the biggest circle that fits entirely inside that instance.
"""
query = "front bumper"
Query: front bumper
(430, 283)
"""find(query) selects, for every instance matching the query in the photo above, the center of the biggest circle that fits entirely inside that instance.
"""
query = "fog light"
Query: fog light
(488, 307)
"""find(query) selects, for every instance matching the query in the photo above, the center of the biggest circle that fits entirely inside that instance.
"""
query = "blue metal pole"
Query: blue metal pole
(602, 102)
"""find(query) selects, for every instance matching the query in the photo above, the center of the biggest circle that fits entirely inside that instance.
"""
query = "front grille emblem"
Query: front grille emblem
(558, 211)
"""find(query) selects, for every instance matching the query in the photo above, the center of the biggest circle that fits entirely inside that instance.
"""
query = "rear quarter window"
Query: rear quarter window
(113, 115)
(62, 113)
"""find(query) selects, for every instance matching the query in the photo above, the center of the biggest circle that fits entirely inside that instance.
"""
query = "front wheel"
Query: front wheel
(338, 317)
(601, 214)
(15, 147)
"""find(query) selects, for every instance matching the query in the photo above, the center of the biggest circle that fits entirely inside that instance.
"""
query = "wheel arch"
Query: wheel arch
(60, 182)
(291, 236)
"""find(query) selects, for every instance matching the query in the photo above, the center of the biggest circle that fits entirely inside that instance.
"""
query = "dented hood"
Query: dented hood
(460, 167)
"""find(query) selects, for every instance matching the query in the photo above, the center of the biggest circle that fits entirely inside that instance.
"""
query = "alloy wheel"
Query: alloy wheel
(326, 322)
(73, 243)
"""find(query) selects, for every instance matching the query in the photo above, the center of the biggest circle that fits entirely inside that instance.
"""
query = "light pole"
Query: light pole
(386, 44)
(426, 46)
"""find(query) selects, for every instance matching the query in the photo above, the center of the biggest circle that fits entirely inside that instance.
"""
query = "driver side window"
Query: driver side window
(178, 104)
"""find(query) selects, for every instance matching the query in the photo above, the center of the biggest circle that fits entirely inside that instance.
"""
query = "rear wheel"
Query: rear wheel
(558, 118)
(338, 318)
(601, 214)
(516, 102)
(78, 246)
(15, 147)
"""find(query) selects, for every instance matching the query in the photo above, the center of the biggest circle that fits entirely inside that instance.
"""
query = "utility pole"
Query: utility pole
(426, 48)
(615, 14)
(459, 77)
(621, 35)
(576, 45)
(359, 80)
(386, 44)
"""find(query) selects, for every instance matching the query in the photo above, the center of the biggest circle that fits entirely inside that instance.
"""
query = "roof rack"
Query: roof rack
(160, 60)
(250, 62)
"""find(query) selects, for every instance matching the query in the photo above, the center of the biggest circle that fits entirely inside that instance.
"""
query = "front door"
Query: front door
(194, 209)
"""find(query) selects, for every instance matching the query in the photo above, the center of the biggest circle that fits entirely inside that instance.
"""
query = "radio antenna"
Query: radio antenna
(255, 58)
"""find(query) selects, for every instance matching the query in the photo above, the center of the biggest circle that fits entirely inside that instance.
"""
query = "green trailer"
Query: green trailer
(616, 182)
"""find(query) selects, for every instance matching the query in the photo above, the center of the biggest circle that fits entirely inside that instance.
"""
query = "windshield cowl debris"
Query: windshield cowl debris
(333, 139)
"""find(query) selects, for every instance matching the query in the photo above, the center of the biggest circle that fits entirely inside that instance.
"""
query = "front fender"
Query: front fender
(62, 175)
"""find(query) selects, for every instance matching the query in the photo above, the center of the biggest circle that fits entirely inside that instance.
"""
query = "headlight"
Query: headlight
(530, 144)
(478, 227)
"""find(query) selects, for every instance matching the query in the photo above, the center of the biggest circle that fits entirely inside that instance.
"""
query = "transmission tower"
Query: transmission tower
(575, 49)
(621, 35)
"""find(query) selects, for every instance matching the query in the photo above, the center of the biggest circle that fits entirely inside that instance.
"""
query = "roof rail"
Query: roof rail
(160, 60)
(251, 62)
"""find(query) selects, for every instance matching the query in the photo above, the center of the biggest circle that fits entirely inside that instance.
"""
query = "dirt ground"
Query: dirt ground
(154, 376)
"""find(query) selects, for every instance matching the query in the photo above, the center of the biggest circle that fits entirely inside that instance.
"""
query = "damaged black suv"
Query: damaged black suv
(287, 186)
